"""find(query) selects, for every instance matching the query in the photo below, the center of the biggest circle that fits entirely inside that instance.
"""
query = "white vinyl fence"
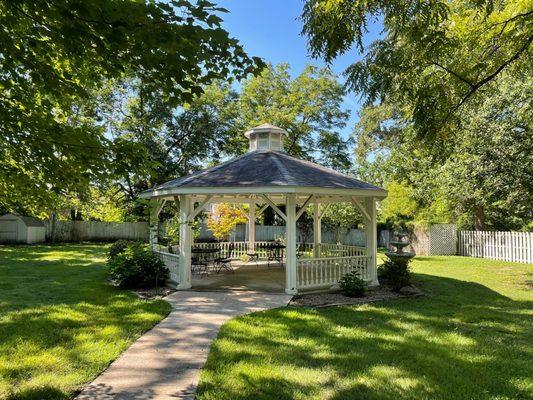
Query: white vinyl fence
(506, 246)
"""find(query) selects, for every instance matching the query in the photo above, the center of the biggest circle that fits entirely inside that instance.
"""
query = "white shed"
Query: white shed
(20, 229)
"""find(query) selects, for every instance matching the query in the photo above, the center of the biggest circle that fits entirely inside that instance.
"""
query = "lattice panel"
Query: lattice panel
(442, 239)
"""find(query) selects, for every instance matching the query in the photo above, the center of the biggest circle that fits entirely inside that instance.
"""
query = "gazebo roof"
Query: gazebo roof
(268, 171)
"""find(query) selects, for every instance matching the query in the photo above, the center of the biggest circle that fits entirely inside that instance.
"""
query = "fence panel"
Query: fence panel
(75, 231)
(505, 246)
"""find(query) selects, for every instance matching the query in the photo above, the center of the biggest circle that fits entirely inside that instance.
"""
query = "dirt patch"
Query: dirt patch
(152, 294)
(374, 294)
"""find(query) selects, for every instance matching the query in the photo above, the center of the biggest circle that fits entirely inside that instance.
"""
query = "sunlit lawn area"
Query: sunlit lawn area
(471, 337)
(61, 323)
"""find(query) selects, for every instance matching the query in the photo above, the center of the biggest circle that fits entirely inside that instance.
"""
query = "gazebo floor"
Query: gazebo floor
(247, 276)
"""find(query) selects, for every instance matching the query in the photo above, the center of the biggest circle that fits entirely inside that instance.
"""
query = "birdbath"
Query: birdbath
(399, 243)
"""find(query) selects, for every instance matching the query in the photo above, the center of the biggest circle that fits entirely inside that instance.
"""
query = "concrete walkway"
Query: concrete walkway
(165, 362)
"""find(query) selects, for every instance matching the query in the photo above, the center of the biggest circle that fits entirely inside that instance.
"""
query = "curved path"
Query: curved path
(165, 362)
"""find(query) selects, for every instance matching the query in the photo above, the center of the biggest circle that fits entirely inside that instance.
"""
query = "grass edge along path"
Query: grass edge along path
(61, 322)
(470, 337)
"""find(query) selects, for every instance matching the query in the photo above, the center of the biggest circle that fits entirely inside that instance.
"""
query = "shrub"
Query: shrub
(137, 267)
(396, 273)
(352, 286)
(119, 246)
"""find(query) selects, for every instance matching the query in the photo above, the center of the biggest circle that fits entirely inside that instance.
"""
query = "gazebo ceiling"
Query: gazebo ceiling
(266, 171)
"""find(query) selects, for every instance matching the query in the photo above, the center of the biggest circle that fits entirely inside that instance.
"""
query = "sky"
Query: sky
(270, 29)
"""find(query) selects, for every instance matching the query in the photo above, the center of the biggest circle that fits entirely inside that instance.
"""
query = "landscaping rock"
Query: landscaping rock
(410, 291)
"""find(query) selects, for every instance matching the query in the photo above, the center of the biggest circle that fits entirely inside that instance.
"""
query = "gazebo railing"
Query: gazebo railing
(340, 250)
(171, 261)
(311, 273)
(325, 273)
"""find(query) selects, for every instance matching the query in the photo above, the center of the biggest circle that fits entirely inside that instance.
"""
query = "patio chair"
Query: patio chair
(274, 254)
(225, 262)
(199, 267)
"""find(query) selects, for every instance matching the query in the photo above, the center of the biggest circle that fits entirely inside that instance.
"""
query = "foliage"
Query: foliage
(432, 57)
(399, 207)
(172, 228)
(119, 247)
(340, 217)
(223, 218)
(61, 322)
(137, 267)
(309, 107)
(396, 272)
(54, 57)
(474, 322)
(95, 204)
(479, 180)
(352, 285)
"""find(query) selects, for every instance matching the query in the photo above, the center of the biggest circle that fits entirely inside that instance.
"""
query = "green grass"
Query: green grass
(471, 337)
(61, 323)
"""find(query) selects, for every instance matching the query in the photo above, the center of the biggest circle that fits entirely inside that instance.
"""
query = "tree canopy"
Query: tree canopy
(54, 55)
(432, 56)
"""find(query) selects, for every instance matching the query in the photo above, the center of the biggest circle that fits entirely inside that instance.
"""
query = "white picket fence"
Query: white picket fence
(506, 246)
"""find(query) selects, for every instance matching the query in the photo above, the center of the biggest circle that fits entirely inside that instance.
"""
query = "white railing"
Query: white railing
(506, 246)
(325, 273)
(340, 250)
(171, 262)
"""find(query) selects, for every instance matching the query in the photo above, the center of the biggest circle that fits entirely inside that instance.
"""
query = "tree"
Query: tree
(398, 207)
(179, 140)
(482, 178)
(432, 58)
(223, 219)
(309, 107)
(54, 55)
(340, 217)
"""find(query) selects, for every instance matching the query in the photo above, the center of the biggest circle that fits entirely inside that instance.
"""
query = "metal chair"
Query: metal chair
(225, 262)
(274, 254)
(199, 267)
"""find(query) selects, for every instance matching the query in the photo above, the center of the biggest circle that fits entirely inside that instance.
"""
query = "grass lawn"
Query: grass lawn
(61, 323)
(471, 337)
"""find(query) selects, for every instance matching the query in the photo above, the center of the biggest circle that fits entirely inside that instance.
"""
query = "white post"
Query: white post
(184, 273)
(251, 228)
(290, 267)
(317, 230)
(371, 240)
(154, 222)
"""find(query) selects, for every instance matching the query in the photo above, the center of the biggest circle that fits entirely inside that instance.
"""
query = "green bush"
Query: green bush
(352, 286)
(137, 267)
(119, 246)
(396, 273)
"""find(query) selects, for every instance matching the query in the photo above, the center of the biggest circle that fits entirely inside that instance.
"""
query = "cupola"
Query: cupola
(266, 137)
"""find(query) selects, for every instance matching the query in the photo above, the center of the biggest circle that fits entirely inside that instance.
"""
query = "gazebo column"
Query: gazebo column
(371, 240)
(184, 268)
(251, 228)
(290, 268)
(317, 231)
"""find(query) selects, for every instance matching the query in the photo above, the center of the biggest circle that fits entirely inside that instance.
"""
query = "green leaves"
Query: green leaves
(432, 57)
(54, 57)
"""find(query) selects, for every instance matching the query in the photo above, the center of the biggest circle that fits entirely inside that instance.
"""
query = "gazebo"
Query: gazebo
(268, 177)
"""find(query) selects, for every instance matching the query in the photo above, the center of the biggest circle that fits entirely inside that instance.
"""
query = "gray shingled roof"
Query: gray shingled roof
(267, 169)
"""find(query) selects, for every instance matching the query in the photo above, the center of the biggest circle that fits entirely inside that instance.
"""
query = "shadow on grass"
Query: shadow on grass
(61, 322)
(463, 341)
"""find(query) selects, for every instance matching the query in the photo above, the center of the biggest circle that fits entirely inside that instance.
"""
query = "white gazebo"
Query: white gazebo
(268, 177)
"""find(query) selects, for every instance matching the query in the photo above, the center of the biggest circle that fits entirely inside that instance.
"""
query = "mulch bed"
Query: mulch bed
(380, 293)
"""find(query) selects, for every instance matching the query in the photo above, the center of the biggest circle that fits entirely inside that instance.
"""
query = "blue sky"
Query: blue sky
(270, 29)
